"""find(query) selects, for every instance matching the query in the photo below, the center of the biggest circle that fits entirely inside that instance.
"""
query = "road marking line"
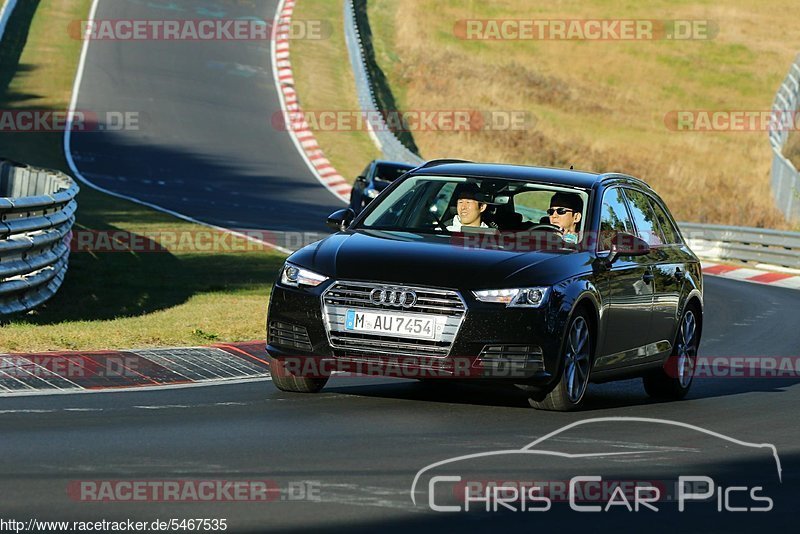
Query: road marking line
(129, 389)
(77, 173)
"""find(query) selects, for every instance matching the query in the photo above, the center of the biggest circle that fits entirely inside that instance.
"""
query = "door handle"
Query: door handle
(648, 277)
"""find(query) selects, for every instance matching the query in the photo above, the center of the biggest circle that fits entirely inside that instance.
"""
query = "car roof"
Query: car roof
(568, 177)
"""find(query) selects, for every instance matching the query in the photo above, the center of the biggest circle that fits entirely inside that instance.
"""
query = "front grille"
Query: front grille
(342, 296)
(289, 335)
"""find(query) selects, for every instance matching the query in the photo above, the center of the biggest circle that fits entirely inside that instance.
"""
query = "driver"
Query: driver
(469, 208)
(565, 212)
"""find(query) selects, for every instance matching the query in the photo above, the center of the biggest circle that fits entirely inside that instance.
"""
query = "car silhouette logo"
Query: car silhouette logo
(398, 297)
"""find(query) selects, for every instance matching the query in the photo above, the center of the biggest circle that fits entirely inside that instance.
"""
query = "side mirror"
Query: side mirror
(341, 219)
(625, 244)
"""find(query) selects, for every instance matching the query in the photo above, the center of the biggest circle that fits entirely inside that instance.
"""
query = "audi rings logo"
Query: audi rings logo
(399, 297)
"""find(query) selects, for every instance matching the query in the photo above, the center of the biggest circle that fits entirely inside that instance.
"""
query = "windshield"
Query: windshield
(435, 204)
(389, 172)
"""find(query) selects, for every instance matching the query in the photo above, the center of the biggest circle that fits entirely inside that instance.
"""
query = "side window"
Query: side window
(668, 230)
(613, 218)
(646, 225)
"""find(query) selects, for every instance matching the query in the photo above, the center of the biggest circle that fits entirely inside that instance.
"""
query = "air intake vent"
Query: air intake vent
(289, 335)
(529, 356)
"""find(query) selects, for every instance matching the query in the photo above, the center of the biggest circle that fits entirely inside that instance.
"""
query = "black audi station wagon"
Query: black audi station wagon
(546, 279)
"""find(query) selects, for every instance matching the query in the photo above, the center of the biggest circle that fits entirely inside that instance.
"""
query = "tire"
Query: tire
(673, 380)
(285, 380)
(577, 355)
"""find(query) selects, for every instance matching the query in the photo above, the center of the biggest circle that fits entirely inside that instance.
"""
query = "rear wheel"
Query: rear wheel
(672, 382)
(286, 380)
(577, 355)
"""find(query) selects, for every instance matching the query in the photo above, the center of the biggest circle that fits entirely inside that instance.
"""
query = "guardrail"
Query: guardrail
(37, 211)
(757, 245)
(785, 178)
(392, 148)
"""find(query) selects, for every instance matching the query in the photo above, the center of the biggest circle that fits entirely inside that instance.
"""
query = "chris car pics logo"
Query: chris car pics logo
(451, 486)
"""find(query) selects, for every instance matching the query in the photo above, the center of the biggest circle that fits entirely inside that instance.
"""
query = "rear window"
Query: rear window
(390, 173)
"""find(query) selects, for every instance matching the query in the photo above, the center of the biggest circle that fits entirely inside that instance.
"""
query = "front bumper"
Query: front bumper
(515, 345)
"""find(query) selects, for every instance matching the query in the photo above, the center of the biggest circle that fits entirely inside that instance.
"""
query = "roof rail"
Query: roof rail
(620, 176)
(444, 161)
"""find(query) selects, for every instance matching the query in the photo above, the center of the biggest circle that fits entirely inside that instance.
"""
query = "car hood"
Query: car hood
(434, 260)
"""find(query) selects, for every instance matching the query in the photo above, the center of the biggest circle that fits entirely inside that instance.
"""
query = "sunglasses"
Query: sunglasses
(560, 211)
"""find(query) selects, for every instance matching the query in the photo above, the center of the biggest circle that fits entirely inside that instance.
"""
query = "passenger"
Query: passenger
(469, 208)
(565, 212)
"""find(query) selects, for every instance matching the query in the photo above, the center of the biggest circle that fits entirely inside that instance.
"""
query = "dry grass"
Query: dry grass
(325, 82)
(601, 106)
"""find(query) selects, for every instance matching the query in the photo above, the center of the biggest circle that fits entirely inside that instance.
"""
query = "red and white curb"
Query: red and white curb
(50, 373)
(296, 125)
(757, 276)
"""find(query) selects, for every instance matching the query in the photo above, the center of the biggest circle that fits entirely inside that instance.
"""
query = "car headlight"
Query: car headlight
(295, 276)
(523, 297)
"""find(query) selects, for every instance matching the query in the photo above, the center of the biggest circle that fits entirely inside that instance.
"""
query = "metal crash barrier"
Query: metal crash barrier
(37, 211)
(785, 177)
(751, 245)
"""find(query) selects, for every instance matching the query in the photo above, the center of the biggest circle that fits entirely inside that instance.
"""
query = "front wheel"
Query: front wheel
(285, 380)
(577, 355)
(672, 382)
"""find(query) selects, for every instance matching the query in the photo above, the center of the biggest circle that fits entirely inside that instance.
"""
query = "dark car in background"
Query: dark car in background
(375, 177)
(512, 300)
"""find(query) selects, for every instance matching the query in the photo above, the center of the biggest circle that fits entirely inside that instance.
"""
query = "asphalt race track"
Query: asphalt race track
(347, 457)
(204, 144)
(361, 441)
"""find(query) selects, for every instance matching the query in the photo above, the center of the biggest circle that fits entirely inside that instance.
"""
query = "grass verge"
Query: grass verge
(109, 300)
(601, 106)
(325, 82)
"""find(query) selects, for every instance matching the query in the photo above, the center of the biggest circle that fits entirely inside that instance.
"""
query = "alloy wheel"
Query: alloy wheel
(578, 360)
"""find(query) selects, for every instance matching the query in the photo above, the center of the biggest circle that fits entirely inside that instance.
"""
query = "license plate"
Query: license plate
(394, 324)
